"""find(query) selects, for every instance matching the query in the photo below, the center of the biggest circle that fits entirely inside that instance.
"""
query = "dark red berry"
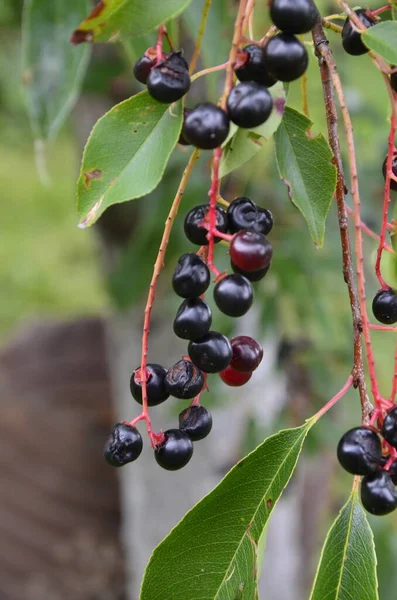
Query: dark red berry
(184, 380)
(254, 67)
(212, 353)
(393, 182)
(191, 276)
(351, 38)
(247, 354)
(182, 140)
(393, 79)
(194, 230)
(378, 493)
(242, 213)
(155, 384)
(196, 421)
(234, 378)
(123, 446)
(169, 80)
(360, 451)
(142, 68)
(193, 319)
(389, 427)
(285, 57)
(294, 16)
(234, 295)
(206, 126)
(252, 276)
(250, 251)
(175, 451)
(249, 104)
(384, 307)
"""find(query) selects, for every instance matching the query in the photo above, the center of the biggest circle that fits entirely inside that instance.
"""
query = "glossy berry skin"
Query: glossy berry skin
(250, 251)
(360, 451)
(191, 276)
(249, 104)
(285, 57)
(252, 276)
(294, 16)
(351, 39)
(384, 307)
(184, 380)
(195, 232)
(234, 378)
(169, 80)
(234, 295)
(393, 183)
(176, 450)
(206, 126)
(193, 319)
(123, 446)
(142, 68)
(389, 427)
(247, 354)
(196, 421)
(254, 68)
(242, 213)
(212, 353)
(155, 386)
(378, 493)
(182, 140)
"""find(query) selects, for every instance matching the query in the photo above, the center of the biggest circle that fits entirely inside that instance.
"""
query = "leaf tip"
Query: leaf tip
(91, 216)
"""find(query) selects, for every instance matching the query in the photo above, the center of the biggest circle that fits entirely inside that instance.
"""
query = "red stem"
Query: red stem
(159, 44)
(380, 10)
(335, 399)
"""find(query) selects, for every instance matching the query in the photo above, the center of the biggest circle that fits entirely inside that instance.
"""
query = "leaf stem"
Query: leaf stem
(200, 36)
(334, 400)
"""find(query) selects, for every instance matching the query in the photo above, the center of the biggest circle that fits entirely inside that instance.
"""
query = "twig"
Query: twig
(200, 35)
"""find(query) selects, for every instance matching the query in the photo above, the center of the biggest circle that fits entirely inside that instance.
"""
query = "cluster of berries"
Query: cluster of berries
(360, 453)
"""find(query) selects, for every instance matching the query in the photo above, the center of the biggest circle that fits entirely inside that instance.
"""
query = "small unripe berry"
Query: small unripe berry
(234, 378)
(250, 251)
(247, 354)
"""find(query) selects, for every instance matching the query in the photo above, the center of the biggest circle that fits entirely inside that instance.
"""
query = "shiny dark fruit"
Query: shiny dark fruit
(206, 126)
(169, 79)
(234, 295)
(142, 68)
(196, 421)
(155, 385)
(254, 67)
(286, 57)
(212, 353)
(393, 183)
(252, 276)
(242, 213)
(249, 104)
(384, 307)
(250, 251)
(123, 446)
(184, 380)
(378, 493)
(360, 451)
(195, 232)
(247, 354)
(234, 378)
(294, 16)
(351, 39)
(389, 427)
(175, 451)
(193, 319)
(191, 276)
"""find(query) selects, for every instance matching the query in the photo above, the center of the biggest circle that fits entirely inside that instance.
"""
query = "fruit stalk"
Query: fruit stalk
(335, 399)
(371, 233)
(200, 35)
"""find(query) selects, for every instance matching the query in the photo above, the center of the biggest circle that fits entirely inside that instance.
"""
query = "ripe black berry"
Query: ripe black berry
(142, 68)
(184, 380)
(191, 276)
(384, 307)
(360, 451)
(389, 427)
(182, 140)
(393, 79)
(378, 493)
(351, 39)
(249, 104)
(193, 319)
(212, 353)
(247, 354)
(206, 126)
(123, 446)
(195, 232)
(156, 392)
(285, 57)
(250, 251)
(294, 16)
(242, 213)
(234, 295)
(252, 276)
(175, 451)
(169, 79)
(196, 421)
(393, 183)
(254, 68)
(234, 378)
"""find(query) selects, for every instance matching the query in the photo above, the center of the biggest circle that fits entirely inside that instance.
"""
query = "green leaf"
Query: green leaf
(304, 164)
(347, 568)
(211, 554)
(53, 71)
(126, 154)
(245, 143)
(382, 39)
(113, 20)
(394, 9)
